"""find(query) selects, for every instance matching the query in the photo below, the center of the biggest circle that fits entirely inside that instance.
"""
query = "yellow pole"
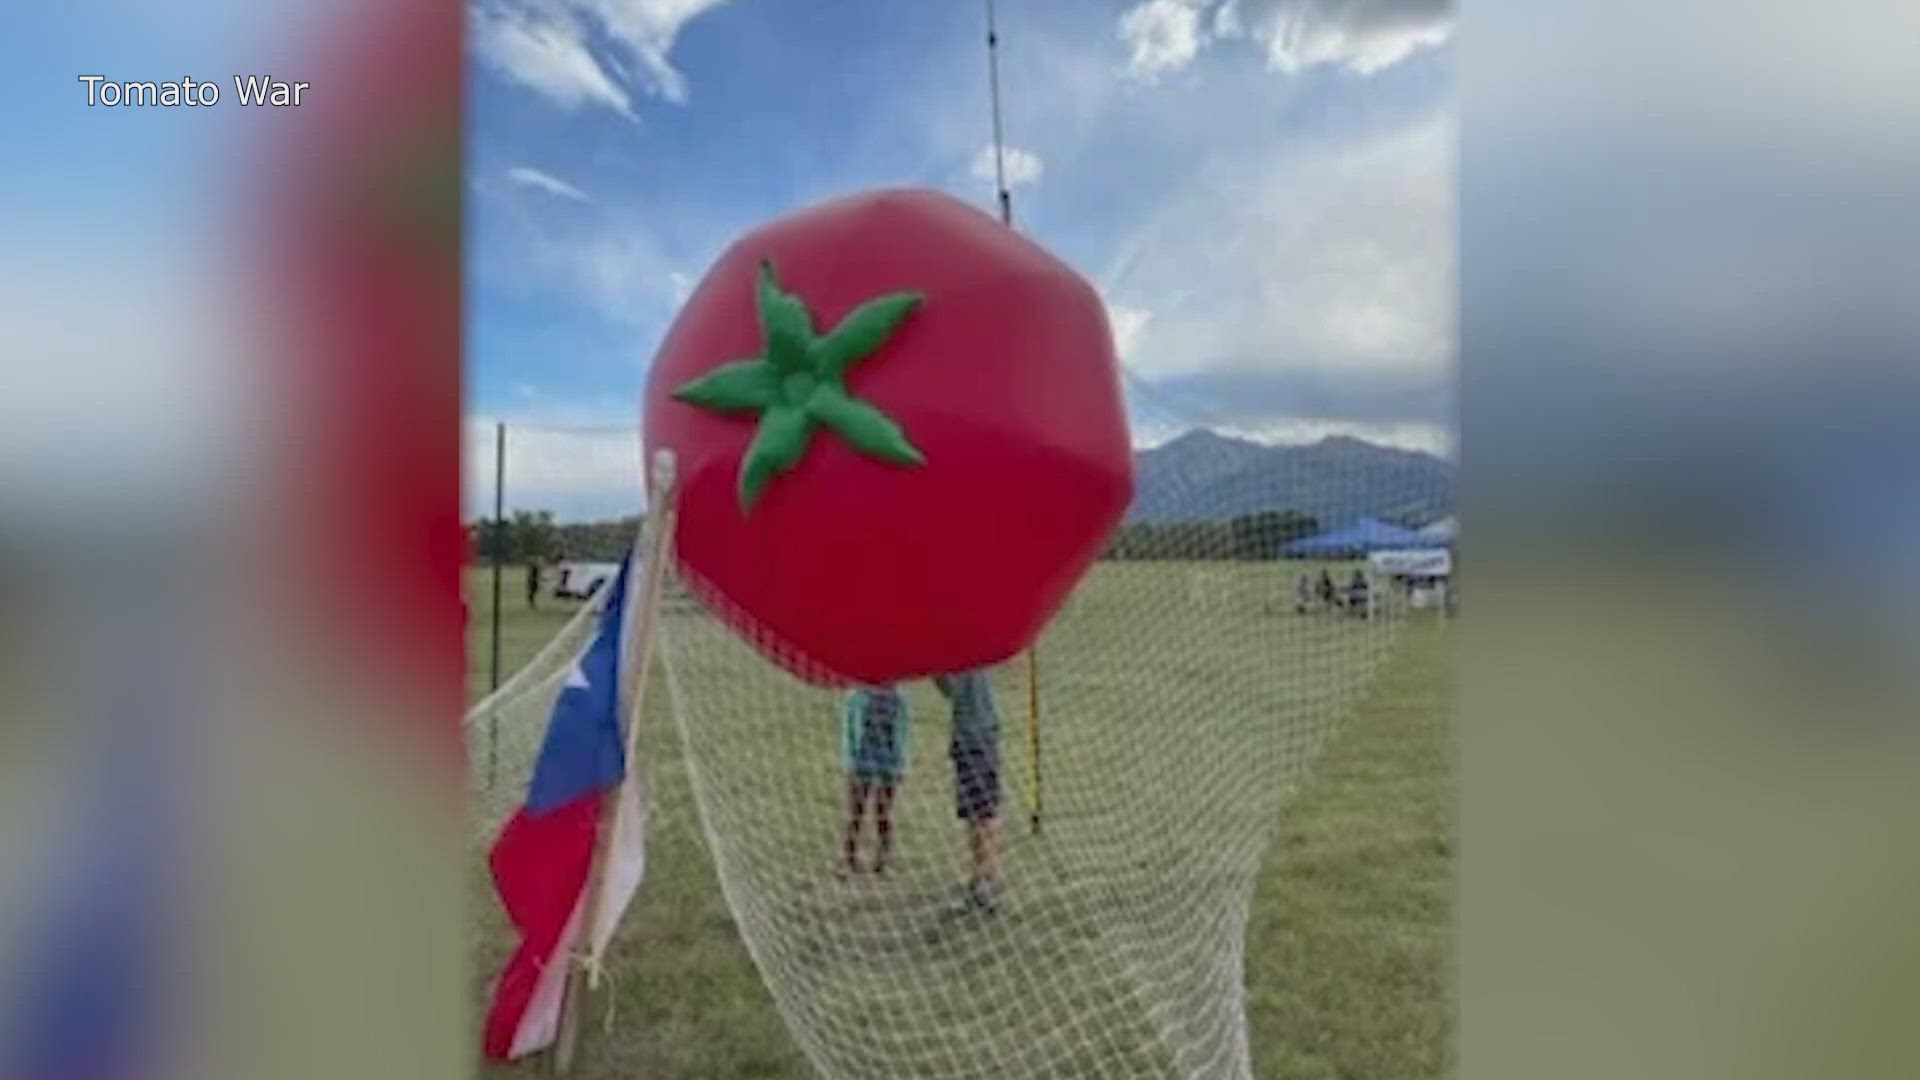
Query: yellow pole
(1033, 728)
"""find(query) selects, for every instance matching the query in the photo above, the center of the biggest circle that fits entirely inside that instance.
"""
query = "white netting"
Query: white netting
(1180, 701)
(1183, 693)
(503, 731)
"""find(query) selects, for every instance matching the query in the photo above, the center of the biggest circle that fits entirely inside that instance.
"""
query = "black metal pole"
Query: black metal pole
(999, 151)
(499, 553)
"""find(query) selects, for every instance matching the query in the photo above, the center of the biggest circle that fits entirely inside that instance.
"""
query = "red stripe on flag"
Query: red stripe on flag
(540, 866)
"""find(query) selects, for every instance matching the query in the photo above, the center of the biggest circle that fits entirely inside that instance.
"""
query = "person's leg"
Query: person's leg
(987, 866)
(883, 824)
(856, 805)
(965, 800)
(983, 842)
(981, 808)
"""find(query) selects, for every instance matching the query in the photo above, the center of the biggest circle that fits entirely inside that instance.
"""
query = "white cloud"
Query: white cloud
(1226, 20)
(547, 53)
(1338, 261)
(550, 184)
(1363, 36)
(1022, 166)
(1162, 35)
(682, 286)
(1129, 325)
(648, 29)
(578, 470)
(544, 47)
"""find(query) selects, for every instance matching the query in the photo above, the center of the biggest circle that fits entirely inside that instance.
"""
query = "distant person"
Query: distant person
(533, 584)
(1357, 593)
(1329, 596)
(975, 750)
(875, 729)
(1302, 594)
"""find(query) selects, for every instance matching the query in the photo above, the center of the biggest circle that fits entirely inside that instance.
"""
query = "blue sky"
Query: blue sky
(116, 302)
(1262, 189)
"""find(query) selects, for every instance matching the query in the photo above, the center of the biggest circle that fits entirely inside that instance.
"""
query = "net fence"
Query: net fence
(1143, 758)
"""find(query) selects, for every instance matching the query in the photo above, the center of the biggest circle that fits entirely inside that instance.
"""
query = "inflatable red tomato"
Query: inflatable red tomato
(899, 437)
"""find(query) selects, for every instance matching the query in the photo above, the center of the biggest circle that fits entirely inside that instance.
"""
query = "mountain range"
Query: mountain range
(1203, 475)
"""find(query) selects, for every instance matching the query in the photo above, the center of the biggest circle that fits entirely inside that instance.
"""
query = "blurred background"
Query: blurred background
(1688, 439)
(230, 543)
(231, 480)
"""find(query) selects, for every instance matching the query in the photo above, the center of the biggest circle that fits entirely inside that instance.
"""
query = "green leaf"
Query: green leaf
(799, 382)
(862, 332)
(785, 322)
(740, 386)
(777, 446)
(869, 430)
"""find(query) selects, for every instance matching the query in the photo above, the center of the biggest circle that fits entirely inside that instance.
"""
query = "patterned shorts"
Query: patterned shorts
(976, 781)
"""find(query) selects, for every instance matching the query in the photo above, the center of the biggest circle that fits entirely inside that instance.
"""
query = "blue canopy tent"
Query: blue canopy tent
(1359, 538)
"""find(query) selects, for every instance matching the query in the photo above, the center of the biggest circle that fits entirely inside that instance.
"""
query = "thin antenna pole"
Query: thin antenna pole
(999, 147)
(1006, 218)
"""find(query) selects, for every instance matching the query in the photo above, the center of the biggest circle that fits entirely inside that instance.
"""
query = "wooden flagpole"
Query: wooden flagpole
(637, 636)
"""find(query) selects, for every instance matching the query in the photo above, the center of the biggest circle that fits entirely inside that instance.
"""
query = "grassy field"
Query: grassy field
(1347, 964)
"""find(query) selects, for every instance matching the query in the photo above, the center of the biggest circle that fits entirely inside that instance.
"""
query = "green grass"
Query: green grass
(1349, 942)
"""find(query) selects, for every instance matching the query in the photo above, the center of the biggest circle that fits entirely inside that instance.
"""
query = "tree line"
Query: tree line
(529, 535)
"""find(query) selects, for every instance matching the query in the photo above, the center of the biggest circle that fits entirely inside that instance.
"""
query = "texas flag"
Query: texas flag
(543, 857)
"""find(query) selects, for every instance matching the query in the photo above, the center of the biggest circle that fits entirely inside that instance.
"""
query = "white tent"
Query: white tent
(1421, 563)
(1426, 572)
(1446, 529)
